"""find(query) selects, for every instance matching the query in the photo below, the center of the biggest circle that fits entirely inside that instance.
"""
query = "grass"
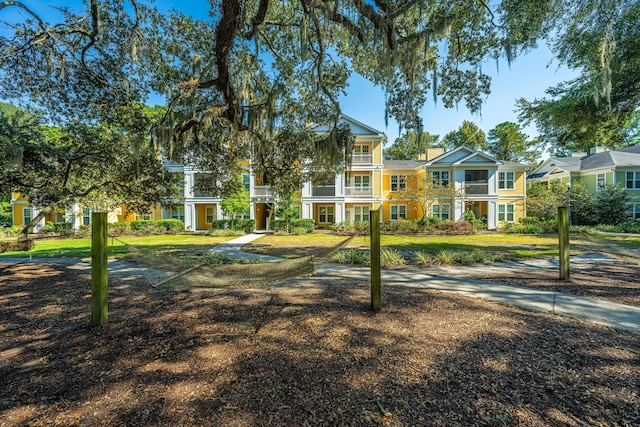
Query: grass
(510, 246)
(81, 248)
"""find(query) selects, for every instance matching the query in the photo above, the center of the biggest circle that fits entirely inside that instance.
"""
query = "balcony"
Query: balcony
(362, 159)
(262, 191)
(358, 191)
(472, 188)
(199, 193)
(323, 190)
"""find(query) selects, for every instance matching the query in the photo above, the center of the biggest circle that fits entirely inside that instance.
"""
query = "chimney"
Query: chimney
(432, 153)
(598, 149)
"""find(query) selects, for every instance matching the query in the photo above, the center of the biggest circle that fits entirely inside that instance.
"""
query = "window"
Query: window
(86, 216)
(506, 180)
(398, 211)
(26, 216)
(359, 182)
(398, 182)
(507, 212)
(60, 216)
(635, 210)
(361, 149)
(245, 215)
(177, 213)
(601, 181)
(361, 213)
(440, 178)
(441, 210)
(325, 214)
(209, 214)
(245, 181)
(633, 180)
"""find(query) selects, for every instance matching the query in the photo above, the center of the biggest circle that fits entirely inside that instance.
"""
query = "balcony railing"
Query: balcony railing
(358, 191)
(476, 188)
(323, 190)
(262, 191)
(202, 193)
(362, 159)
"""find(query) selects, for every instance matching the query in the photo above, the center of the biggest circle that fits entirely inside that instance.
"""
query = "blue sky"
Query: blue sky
(527, 77)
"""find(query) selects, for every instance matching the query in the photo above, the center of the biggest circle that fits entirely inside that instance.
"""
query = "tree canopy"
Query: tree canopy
(408, 146)
(468, 134)
(603, 44)
(103, 166)
(257, 69)
(507, 142)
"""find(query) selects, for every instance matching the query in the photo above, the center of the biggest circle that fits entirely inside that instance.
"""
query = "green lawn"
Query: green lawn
(80, 248)
(515, 246)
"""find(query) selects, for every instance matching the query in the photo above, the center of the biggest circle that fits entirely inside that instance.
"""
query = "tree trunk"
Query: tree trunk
(24, 234)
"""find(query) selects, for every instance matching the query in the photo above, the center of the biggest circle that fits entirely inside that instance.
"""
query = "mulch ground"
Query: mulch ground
(305, 352)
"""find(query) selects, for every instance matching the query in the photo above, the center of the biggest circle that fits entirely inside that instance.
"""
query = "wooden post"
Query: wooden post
(563, 238)
(376, 291)
(99, 270)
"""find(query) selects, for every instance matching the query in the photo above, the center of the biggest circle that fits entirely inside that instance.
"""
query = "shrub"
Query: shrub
(246, 225)
(407, 226)
(390, 258)
(422, 258)
(511, 227)
(306, 224)
(143, 226)
(62, 228)
(299, 230)
(444, 257)
(225, 233)
(118, 228)
(172, 226)
(453, 227)
(13, 231)
(84, 231)
(351, 256)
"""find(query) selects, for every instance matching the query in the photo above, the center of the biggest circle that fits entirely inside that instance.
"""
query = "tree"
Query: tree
(237, 201)
(611, 205)
(287, 210)
(423, 192)
(507, 142)
(407, 146)
(469, 135)
(103, 166)
(583, 205)
(543, 200)
(236, 82)
(603, 44)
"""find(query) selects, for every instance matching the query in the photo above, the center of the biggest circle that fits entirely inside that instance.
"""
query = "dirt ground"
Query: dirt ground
(307, 352)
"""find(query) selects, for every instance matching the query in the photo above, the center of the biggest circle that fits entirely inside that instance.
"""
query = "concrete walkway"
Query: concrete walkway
(593, 310)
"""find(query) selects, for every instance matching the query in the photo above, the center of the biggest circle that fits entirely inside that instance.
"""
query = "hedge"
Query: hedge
(305, 225)
(246, 225)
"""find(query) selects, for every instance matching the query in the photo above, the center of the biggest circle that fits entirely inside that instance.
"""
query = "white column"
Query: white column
(306, 189)
(189, 216)
(339, 183)
(306, 210)
(188, 186)
(492, 215)
(339, 213)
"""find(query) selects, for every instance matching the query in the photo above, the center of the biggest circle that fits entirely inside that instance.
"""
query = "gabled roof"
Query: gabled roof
(629, 156)
(610, 159)
(402, 164)
(568, 164)
(463, 155)
(631, 149)
(357, 128)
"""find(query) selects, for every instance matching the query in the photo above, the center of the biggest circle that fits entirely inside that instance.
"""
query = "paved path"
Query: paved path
(593, 310)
